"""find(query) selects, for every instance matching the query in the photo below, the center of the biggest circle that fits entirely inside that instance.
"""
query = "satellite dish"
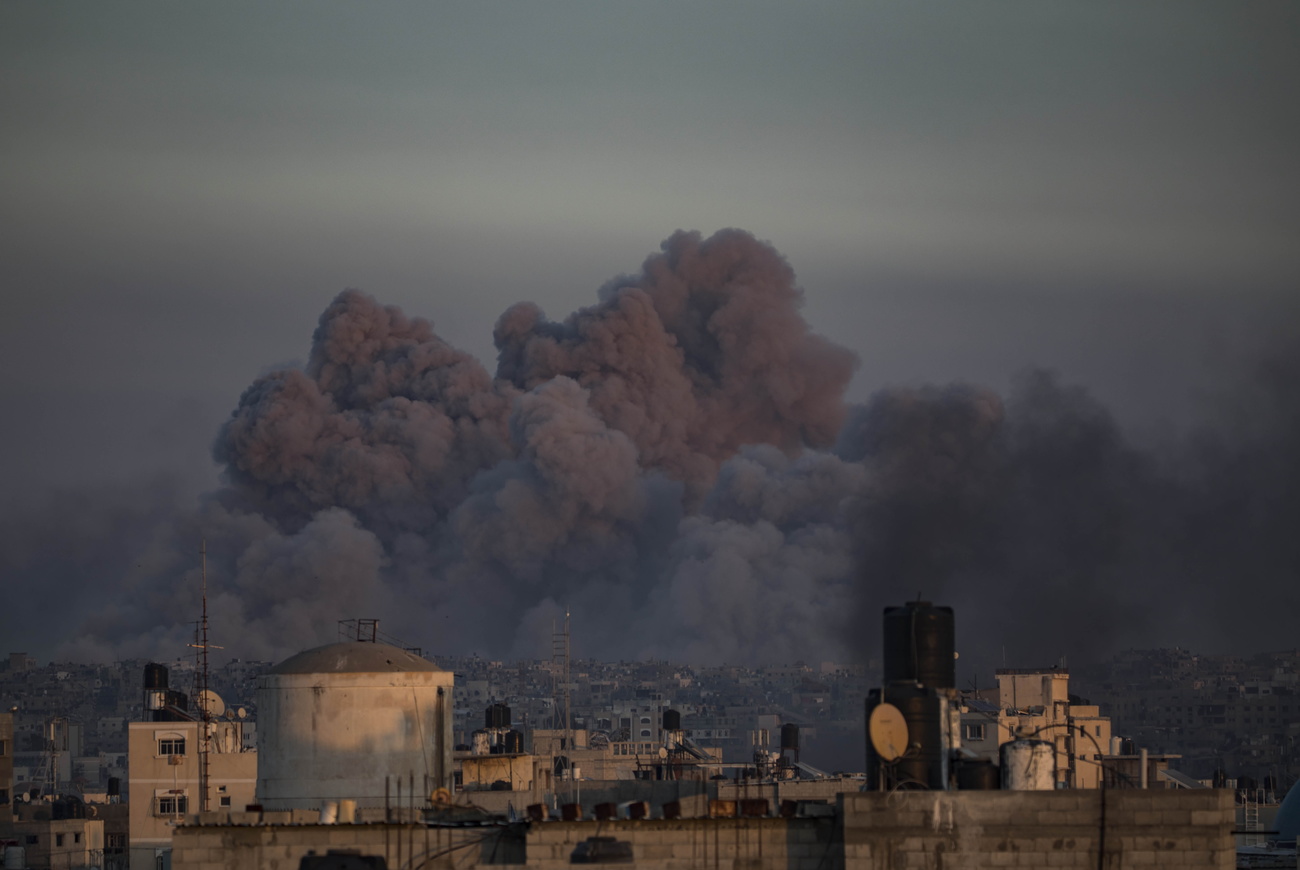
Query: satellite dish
(888, 732)
(241, 712)
(663, 752)
(210, 703)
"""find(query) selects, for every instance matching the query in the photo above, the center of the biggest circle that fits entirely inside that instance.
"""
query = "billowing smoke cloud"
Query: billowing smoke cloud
(675, 466)
(701, 354)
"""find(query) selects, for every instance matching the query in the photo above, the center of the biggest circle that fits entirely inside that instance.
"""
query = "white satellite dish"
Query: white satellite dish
(241, 712)
(210, 703)
(888, 732)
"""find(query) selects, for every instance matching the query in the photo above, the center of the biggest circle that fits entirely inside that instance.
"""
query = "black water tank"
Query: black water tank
(672, 720)
(978, 774)
(114, 786)
(924, 764)
(497, 716)
(789, 736)
(919, 645)
(155, 676)
(514, 742)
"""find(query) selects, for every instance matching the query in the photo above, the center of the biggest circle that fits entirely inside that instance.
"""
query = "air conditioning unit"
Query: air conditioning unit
(176, 759)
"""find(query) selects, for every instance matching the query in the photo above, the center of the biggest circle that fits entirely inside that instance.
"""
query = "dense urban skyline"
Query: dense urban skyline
(965, 196)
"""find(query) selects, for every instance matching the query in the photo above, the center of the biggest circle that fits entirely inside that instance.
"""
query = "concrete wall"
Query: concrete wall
(788, 790)
(243, 846)
(722, 844)
(1147, 829)
(719, 844)
(874, 831)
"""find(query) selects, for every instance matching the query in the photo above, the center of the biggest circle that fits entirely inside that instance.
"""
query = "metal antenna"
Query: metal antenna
(201, 647)
(560, 687)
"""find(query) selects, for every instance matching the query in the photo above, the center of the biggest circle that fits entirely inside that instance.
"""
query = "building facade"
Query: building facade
(167, 764)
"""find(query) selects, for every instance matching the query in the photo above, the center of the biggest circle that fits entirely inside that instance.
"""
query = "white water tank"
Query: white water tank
(15, 857)
(1028, 765)
(349, 721)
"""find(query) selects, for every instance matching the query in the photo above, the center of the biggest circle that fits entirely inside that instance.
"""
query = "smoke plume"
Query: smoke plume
(676, 466)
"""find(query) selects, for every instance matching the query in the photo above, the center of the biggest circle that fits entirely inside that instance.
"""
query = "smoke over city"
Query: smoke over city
(676, 466)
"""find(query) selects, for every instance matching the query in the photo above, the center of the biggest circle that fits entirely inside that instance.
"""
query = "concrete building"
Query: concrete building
(52, 841)
(1036, 702)
(165, 784)
(346, 720)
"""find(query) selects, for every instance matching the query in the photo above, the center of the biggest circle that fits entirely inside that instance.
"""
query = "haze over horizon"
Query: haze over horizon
(1045, 258)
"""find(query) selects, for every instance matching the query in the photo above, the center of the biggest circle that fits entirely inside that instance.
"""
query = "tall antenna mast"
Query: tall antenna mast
(560, 689)
(201, 647)
(568, 720)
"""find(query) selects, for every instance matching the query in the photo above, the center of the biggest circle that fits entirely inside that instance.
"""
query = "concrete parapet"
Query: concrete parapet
(871, 831)
(1162, 828)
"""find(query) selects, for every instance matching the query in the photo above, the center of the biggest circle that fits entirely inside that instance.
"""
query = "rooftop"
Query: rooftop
(353, 657)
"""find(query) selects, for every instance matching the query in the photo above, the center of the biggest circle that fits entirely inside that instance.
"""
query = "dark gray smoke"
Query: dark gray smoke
(675, 465)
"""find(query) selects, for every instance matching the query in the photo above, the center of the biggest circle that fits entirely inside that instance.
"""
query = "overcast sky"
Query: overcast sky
(964, 190)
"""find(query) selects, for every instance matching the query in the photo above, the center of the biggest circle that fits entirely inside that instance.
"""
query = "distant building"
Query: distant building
(1037, 703)
(56, 835)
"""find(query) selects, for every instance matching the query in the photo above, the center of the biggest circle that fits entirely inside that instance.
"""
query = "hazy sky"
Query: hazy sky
(1110, 190)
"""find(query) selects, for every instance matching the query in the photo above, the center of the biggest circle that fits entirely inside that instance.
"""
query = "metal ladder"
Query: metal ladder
(1251, 809)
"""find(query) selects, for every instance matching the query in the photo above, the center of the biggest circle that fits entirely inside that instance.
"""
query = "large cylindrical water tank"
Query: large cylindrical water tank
(919, 645)
(672, 720)
(339, 722)
(789, 736)
(15, 858)
(925, 764)
(1028, 765)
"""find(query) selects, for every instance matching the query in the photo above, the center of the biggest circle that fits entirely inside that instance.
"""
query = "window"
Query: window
(76, 837)
(58, 840)
(172, 805)
(645, 732)
(225, 800)
(4, 748)
(1098, 730)
(4, 796)
(171, 746)
(972, 732)
(32, 840)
